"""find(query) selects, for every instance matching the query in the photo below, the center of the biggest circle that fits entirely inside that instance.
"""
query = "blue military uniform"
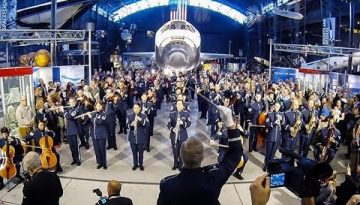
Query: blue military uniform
(214, 114)
(111, 123)
(137, 138)
(254, 112)
(99, 133)
(274, 135)
(289, 142)
(202, 185)
(84, 125)
(178, 133)
(221, 135)
(120, 108)
(305, 136)
(147, 109)
(72, 133)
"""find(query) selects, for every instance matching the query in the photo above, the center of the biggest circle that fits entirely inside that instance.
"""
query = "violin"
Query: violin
(47, 156)
(8, 168)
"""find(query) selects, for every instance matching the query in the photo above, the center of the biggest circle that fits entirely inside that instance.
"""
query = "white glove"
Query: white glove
(226, 115)
(212, 142)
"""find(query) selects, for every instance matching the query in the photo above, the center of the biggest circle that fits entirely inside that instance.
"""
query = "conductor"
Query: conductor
(202, 185)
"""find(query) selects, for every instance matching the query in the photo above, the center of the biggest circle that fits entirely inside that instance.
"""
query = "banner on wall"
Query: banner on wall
(73, 74)
(328, 34)
(60, 74)
(8, 14)
(283, 74)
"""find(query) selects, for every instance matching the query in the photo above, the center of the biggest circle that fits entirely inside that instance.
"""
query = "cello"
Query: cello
(8, 168)
(47, 156)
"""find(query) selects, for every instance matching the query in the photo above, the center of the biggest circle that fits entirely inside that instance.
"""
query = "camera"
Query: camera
(102, 199)
(298, 179)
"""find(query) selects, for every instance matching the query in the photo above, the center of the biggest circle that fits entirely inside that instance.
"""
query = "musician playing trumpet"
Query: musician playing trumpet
(178, 122)
(137, 122)
(328, 139)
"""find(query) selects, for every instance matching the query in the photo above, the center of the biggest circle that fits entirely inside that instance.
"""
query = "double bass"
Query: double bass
(47, 156)
(8, 168)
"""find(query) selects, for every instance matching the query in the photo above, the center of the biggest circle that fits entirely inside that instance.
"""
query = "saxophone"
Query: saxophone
(312, 123)
(296, 127)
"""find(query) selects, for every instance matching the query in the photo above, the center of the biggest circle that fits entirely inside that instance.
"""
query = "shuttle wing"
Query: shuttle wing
(139, 54)
(213, 56)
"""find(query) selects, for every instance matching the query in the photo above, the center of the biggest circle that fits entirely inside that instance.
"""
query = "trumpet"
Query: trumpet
(136, 121)
(83, 115)
(58, 107)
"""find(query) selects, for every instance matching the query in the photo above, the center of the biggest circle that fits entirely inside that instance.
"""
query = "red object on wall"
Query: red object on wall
(15, 71)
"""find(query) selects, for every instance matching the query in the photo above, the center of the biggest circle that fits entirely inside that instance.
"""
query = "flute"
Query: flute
(83, 115)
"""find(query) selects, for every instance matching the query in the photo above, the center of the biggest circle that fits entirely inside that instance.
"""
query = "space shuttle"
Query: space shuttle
(177, 48)
(334, 63)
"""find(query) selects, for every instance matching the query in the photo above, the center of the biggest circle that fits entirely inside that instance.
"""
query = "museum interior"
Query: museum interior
(180, 102)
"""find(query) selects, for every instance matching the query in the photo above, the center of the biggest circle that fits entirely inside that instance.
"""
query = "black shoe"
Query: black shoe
(81, 145)
(264, 168)
(72, 163)
(2, 185)
(134, 168)
(238, 176)
(20, 178)
(120, 132)
(98, 166)
(78, 163)
(105, 167)
(59, 170)
(148, 149)
(87, 146)
(109, 148)
(174, 168)
(115, 148)
(141, 168)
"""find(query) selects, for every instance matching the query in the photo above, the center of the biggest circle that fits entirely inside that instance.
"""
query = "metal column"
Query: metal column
(53, 26)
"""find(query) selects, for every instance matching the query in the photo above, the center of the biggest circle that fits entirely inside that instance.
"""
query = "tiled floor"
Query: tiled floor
(142, 187)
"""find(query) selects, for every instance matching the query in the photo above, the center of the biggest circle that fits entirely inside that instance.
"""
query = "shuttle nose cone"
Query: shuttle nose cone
(177, 60)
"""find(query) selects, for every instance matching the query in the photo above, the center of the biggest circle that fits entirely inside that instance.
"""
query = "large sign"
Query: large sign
(8, 14)
(328, 34)
(284, 74)
(60, 74)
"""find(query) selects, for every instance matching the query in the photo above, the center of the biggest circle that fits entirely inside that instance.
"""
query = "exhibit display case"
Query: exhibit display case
(14, 83)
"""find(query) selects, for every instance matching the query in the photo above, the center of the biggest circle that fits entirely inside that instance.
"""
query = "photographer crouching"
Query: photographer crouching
(41, 187)
(113, 189)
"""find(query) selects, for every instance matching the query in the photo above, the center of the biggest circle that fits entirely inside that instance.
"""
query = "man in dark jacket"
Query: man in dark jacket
(202, 185)
(114, 188)
(44, 188)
